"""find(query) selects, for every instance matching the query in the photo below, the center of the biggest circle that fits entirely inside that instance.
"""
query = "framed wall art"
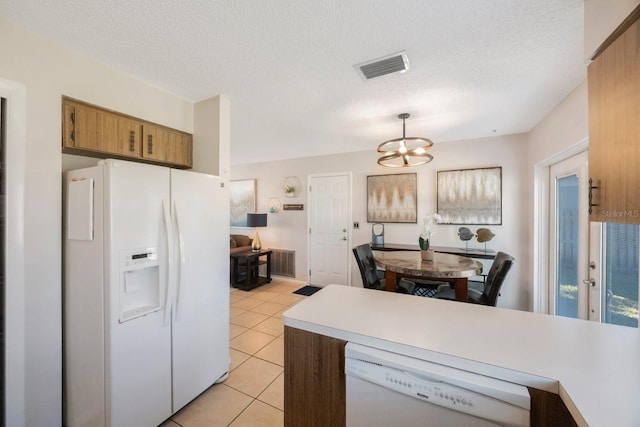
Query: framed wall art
(242, 196)
(470, 196)
(392, 198)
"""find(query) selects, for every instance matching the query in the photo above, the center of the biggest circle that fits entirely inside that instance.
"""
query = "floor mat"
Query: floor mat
(307, 290)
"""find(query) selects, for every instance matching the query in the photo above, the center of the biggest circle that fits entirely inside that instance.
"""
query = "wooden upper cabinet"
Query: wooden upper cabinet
(129, 137)
(167, 145)
(80, 127)
(614, 129)
(154, 142)
(180, 148)
(95, 131)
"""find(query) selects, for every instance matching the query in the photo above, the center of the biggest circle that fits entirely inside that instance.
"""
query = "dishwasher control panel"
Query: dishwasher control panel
(433, 392)
(496, 401)
(428, 389)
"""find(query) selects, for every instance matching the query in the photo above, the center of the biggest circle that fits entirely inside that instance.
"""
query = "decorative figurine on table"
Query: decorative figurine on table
(484, 235)
(377, 234)
(465, 235)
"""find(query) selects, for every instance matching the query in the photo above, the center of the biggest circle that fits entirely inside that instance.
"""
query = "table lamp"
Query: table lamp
(256, 220)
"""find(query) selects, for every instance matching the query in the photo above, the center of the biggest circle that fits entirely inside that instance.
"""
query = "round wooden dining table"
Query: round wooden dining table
(452, 268)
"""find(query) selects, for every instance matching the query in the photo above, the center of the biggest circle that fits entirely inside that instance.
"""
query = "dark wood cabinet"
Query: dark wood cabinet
(314, 380)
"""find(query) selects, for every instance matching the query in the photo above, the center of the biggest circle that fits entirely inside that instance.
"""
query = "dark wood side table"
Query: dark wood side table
(248, 263)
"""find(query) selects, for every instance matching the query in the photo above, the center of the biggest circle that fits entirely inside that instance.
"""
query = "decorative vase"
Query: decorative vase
(426, 255)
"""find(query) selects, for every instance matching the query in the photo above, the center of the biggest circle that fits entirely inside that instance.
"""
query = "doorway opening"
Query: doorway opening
(593, 270)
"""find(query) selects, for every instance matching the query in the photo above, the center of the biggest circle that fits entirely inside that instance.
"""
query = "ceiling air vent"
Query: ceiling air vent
(396, 63)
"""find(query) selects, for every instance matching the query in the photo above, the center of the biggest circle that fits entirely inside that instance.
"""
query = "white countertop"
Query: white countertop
(594, 367)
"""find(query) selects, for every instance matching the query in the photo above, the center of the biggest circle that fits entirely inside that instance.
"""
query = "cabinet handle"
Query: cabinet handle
(591, 188)
(132, 141)
(150, 145)
(73, 130)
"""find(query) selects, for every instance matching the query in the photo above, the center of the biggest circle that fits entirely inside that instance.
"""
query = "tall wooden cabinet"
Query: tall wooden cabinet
(93, 131)
(614, 126)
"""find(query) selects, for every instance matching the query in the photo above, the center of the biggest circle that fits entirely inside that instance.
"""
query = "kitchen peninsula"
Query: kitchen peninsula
(577, 372)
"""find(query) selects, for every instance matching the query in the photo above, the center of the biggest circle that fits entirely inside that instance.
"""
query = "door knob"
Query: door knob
(591, 282)
(344, 238)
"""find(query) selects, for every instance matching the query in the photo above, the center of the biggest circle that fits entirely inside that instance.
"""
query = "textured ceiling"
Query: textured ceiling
(478, 67)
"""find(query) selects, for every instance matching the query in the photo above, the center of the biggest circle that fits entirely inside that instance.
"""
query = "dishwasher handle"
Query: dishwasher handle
(423, 378)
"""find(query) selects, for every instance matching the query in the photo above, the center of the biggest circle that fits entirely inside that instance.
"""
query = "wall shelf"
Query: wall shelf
(273, 205)
(291, 186)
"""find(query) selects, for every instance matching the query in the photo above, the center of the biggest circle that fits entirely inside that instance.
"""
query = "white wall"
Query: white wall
(212, 136)
(565, 127)
(601, 18)
(14, 293)
(288, 229)
(48, 72)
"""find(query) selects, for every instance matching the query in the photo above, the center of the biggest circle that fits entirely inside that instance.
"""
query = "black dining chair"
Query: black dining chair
(488, 294)
(369, 272)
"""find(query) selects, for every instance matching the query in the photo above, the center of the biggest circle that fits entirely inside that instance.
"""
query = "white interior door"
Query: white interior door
(329, 231)
(568, 240)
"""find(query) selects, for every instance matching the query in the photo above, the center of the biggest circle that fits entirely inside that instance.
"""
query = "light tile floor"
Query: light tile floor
(253, 394)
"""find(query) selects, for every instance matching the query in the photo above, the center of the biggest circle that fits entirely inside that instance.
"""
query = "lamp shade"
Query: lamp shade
(256, 220)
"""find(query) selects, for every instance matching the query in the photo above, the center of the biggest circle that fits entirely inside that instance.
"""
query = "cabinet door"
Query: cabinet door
(80, 127)
(614, 129)
(154, 142)
(107, 133)
(129, 137)
(179, 149)
(91, 129)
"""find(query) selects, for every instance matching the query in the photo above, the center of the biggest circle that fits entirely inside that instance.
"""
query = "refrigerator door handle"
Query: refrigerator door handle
(168, 262)
(179, 258)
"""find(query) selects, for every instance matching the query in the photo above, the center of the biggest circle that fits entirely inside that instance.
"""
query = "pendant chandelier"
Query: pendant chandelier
(406, 151)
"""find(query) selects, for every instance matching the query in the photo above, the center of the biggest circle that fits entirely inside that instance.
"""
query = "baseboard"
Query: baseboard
(288, 279)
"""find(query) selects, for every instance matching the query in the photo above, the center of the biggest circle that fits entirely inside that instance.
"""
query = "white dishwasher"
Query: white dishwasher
(389, 389)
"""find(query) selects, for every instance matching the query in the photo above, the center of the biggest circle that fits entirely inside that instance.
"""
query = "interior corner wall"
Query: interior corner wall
(601, 18)
(566, 126)
(288, 229)
(212, 136)
(48, 71)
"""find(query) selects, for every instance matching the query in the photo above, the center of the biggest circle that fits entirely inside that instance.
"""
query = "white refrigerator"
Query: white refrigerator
(146, 292)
